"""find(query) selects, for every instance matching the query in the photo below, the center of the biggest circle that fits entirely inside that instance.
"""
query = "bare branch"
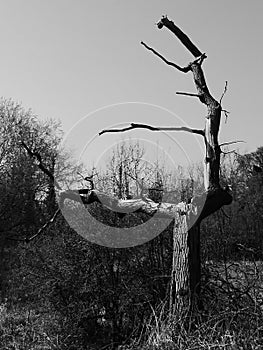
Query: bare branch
(36, 156)
(229, 152)
(116, 130)
(53, 218)
(153, 128)
(169, 63)
(225, 214)
(226, 114)
(180, 35)
(40, 230)
(187, 94)
(224, 92)
(230, 143)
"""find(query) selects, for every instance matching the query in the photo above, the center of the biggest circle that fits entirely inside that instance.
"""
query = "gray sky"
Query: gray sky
(66, 59)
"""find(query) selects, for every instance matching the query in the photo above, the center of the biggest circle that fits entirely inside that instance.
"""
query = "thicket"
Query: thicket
(60, 291)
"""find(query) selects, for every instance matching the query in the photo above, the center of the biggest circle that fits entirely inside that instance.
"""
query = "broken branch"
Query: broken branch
(187, 94)
(180, 35)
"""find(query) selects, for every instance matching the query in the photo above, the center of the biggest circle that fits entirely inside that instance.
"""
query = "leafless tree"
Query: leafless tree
(187, 215)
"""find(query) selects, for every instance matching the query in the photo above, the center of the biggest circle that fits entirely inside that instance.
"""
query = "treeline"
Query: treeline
(61, 291)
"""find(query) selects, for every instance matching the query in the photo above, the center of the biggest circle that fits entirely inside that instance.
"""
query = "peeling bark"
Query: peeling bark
(179, 289)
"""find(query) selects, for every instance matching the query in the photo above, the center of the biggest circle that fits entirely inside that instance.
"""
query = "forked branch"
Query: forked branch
(38, 159)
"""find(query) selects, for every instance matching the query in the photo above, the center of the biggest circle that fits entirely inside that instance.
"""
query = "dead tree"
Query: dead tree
(186, 274)
(187, 216)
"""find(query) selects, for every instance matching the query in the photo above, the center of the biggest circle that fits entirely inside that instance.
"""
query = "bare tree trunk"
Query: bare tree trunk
(194, 262)
(179, 290)
(186, 267)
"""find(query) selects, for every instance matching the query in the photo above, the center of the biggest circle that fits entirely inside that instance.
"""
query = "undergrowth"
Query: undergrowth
(231, 318)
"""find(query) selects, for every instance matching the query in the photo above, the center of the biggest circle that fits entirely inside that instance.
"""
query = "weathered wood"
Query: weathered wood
(165, 22)
(194, 264)
(179, 287)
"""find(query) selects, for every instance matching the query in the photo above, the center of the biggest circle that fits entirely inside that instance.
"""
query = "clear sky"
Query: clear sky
(66, 59)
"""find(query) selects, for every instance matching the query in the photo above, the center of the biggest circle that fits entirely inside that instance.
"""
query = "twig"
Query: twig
(187, 94)
(225, 214)
(224, 92)
(231, 143)
(220, 102)
(226, 114)
(153, 128)
(229, 152)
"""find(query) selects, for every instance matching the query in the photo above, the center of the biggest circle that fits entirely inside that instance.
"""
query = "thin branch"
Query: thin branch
(231, 143)
(225, 214)
(229, 152)
(226, 114)
(36, 156)
(169, 63)
(40, 230)
(53, 218)
(116, 130)
(224, 92)
(153, 128)
(187, 94)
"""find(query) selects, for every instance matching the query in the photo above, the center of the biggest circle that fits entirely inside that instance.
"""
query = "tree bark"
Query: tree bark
(179, 288)
(194, 265)
(186, 267)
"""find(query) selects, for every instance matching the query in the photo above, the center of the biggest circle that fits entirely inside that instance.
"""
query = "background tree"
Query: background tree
(27, 193)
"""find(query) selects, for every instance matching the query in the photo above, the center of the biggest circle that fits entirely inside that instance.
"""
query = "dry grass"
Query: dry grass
(22, 329)
(231, 319)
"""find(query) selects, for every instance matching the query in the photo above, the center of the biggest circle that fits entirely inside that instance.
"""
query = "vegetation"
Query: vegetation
(60, 291)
